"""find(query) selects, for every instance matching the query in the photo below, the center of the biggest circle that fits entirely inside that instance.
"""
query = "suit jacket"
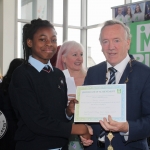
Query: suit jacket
(137, 78)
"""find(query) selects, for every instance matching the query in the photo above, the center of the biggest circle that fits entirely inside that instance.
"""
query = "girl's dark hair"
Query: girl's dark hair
(7, 78)
(28, 32)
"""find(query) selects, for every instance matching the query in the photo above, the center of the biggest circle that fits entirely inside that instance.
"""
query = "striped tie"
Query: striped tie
(112, 79)
(47, 69)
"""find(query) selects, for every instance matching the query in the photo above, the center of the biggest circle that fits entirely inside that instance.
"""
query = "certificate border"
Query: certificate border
(96, 119)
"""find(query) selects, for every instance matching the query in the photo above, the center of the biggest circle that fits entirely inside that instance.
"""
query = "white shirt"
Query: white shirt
(120, 18)
(38, 65)
(138, 17)
(128, 19)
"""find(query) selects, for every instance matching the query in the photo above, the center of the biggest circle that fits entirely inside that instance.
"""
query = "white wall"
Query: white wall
(7, 33)
(1, 36)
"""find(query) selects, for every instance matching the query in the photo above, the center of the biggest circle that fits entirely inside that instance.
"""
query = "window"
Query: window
(58, 11)
(59, 35)
(74, 34)
(74, 12)
(94, 53)
(135, 1)
(32, 9)
(19, 39)
(24, 10)
(100, 10)
(42, 9)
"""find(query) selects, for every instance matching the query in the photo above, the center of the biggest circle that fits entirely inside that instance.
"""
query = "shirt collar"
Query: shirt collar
(37, 64)
(121, 66)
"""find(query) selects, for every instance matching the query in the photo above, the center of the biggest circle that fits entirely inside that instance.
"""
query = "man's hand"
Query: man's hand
(82, 130)
(87, 142)
(114, 126)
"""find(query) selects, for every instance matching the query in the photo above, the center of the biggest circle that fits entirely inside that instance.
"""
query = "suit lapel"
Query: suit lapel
(127, 71)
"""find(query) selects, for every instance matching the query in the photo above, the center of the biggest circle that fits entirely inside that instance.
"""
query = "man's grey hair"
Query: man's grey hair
(114, 22)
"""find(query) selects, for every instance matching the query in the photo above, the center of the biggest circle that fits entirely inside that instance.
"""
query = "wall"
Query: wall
(7, 33)
(1, 36)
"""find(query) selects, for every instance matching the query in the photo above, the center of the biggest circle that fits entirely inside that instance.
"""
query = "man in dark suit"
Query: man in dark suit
(130, 135)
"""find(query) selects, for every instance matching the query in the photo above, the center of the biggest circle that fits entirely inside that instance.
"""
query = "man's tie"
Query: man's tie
(47, 68)
(112, 79)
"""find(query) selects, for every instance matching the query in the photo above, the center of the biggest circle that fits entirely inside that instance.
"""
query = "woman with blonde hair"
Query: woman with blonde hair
(70, 56)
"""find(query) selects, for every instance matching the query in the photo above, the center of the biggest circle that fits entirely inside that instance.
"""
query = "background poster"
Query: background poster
(132, 12)
(140, 42)
(147, 10)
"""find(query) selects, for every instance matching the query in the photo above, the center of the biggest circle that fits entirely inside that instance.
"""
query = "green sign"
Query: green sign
(140, 42)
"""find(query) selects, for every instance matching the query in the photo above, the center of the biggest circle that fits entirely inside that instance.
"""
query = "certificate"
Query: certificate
(99, 101)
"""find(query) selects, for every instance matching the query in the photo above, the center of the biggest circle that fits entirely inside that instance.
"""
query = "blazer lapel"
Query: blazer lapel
(127, 71)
